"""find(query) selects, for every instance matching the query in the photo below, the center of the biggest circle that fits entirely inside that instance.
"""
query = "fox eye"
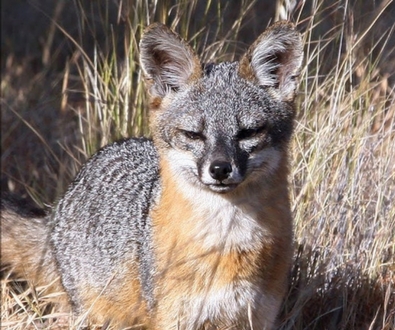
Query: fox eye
(249, 133)
(193, 135)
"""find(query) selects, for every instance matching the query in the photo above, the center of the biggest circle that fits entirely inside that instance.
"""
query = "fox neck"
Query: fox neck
(238, 221)
(219, 247)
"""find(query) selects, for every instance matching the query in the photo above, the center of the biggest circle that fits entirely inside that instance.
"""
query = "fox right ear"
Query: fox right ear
(168, 62)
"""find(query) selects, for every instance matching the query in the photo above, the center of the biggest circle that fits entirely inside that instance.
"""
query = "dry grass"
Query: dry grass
(343, 173)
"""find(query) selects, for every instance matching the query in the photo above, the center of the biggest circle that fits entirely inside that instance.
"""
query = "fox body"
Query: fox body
(189, 230)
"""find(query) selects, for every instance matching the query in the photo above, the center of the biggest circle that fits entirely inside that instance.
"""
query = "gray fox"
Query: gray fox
(189, 230)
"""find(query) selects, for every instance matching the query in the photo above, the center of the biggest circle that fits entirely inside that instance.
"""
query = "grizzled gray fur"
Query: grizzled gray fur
(114, 188)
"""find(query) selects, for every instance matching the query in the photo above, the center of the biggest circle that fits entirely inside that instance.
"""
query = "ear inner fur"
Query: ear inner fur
(168, 62)
(274, 60)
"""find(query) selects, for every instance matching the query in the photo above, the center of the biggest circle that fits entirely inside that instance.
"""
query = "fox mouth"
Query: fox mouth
(222, 187)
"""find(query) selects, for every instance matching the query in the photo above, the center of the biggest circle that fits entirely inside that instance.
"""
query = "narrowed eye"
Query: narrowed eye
(193, 135)
(249, 133)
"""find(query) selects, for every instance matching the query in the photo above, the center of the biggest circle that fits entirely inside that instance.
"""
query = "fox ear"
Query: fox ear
(274, 60)
(168, 62)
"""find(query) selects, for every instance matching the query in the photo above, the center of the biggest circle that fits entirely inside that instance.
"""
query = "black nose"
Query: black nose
(220, 170)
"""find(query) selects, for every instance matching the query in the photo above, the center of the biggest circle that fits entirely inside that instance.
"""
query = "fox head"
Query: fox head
(222, 125)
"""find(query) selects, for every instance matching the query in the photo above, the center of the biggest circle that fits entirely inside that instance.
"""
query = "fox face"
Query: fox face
(223, 129)
(222, 125)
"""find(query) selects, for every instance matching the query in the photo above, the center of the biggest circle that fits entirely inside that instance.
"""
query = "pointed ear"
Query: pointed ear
(275, 60)
(168, 62)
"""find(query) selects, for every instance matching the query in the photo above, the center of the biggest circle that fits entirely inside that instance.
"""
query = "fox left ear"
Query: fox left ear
(274, 60)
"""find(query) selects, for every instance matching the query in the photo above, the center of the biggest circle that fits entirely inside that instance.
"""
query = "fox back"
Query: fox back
(192, 229)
